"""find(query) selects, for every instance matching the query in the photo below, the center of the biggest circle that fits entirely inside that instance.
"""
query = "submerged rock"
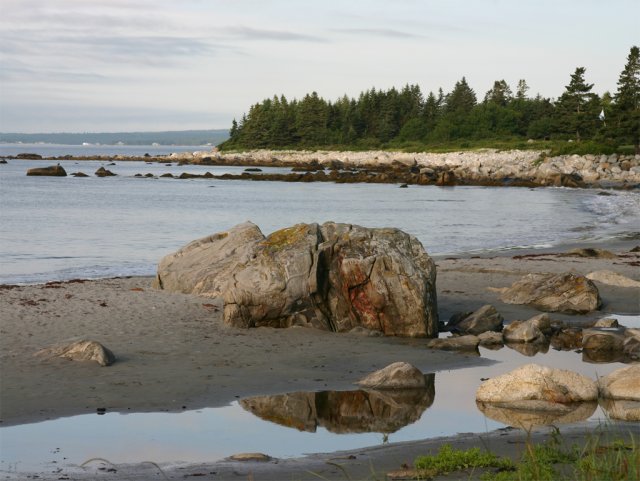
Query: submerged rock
(102, 172)
(333, 277)
(51, 171)
(567, 293)
(81, 350)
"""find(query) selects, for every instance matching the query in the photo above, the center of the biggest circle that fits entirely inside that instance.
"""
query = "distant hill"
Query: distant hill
(182, 137)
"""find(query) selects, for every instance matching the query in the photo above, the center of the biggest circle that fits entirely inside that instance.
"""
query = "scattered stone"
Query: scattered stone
(3, 161)
(363, 331)
(531, 330)
(567, 339)
(603, 339)
(622, 383)
(635, 249)
(455, 343)
(102, 172)
(79, 174)
(491, 338)
(333, 277)
(81, 350)
(484, 319)
(403, 186)
(613, 279)
(248, 457)
(167, 175)
(592, 253)
(607, 322)
(253, 169)
(399, 375)
(567, 293)
(51, 171)
(537, 387)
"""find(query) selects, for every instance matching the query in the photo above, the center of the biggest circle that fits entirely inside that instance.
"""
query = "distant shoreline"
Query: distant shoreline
(485, 167)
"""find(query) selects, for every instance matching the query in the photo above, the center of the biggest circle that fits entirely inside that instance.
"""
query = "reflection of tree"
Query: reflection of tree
(383, 411)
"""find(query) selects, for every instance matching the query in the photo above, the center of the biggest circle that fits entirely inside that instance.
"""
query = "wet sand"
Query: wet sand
(174, 352)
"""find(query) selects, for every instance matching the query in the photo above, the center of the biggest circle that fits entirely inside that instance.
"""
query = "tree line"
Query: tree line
(388, 118)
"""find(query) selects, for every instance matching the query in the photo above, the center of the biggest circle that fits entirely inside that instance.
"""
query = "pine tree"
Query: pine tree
(577, 107)
(627, 102)
(500, 94)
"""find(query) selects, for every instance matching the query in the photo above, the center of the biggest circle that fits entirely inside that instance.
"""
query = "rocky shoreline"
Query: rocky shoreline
(490, 167)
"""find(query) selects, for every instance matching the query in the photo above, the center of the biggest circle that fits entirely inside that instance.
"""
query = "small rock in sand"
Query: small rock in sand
(81, 350)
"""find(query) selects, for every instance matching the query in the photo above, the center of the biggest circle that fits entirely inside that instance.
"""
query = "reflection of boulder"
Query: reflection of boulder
(622, 409)
(345, 411)
(529, 349)
(526, 419)
(567, 339)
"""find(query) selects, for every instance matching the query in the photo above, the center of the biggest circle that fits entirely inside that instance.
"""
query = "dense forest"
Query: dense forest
(408, 120)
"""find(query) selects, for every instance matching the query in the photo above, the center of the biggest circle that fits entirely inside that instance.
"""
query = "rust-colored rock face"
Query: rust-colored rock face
(333, 276)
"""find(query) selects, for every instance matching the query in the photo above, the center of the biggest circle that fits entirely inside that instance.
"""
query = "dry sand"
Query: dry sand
(175, 353)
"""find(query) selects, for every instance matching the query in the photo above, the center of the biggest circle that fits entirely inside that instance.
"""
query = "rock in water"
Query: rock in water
(621, 384)
(81, 350)
(334, 277)
(537, 387)
(398, 375)
(102, 172)
(567, 293)
(52, 171)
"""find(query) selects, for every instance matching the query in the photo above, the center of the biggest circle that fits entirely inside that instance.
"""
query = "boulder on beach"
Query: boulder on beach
(331, 276)
(483, 319)
(537, 387)
(80, 350)
(567, 293)
(398, 375)
(51, 171)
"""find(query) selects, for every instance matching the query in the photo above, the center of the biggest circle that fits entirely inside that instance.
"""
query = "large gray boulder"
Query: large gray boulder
(567, 293)
(332, 276)
(51, 171)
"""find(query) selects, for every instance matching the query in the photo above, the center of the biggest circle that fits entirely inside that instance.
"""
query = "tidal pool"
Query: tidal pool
(286, 425)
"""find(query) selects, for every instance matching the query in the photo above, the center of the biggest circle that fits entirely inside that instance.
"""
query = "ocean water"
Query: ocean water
(62, 228)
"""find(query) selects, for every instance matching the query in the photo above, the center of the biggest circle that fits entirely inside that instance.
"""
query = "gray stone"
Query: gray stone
(102, 172)
(567, 293)
(607, 322)
(484, 319)
(399, 375)
(491, 338)
(333, 277)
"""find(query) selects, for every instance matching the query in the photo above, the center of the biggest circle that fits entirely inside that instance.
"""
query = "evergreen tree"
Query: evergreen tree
(627, 102)
(500, 94)
(577, 107)
(522, 89)
(461, 99)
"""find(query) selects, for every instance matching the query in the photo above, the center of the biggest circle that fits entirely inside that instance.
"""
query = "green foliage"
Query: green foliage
(449, 460)
(407, 120)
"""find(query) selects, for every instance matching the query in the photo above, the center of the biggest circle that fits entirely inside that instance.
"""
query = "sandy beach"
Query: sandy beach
(174, 353)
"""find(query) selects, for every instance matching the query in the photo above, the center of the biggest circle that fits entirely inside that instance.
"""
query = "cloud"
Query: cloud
(250, 33)
(377, 32)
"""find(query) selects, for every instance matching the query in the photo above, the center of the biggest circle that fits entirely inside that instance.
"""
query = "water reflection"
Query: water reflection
(528, 419)
(621, 409)
(361, 411)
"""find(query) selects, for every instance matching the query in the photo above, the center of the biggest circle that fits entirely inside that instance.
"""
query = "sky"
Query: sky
(149, 65)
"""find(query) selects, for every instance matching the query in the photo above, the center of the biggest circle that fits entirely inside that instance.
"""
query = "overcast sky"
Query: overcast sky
(122, 65)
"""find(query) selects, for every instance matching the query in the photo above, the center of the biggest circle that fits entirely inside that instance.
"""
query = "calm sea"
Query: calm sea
(62, 228)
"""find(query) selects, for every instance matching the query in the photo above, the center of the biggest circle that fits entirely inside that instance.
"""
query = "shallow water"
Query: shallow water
(207, 435)
(62, 228)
